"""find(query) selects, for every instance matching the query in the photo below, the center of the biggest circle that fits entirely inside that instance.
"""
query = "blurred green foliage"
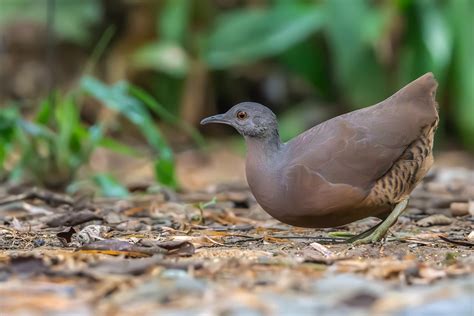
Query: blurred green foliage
(168, 55)
(354, 53)
(72, 19)
(244, 36)
(373, 48)
(8, 131)
(462, 81)
(109, 186)
(54, 144)
(119, 98)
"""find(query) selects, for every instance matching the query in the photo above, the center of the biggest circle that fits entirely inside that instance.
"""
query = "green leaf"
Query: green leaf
(164, 114)
(45, 112)
(109, 186)
(117, 97)
(153, 105)
(9, 117)
(203, 205)
(461, 12)
(118, 147)
(67, 146)
(168, 58)
(99, 49)
(247, 35)
(56, 144)
(165, 169)
(173, 20)
(36, 130)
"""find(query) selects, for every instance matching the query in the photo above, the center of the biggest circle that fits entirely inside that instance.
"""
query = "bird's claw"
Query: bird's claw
(373, 238)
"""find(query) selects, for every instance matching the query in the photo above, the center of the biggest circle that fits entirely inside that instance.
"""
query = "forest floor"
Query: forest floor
(215, 252)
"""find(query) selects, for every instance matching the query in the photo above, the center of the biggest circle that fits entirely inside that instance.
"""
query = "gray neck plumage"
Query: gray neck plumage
(264, 148)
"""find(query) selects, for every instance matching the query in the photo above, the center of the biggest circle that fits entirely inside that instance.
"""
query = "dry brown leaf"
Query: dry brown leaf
(276, 240)
(72, 219)
(430, 274)
(386, 269)
(351, 266)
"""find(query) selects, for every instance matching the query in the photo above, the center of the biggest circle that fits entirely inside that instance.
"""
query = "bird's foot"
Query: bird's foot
(373, 238)
(376, 233)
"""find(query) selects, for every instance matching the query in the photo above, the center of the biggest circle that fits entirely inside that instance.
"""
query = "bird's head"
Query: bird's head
(249, 119)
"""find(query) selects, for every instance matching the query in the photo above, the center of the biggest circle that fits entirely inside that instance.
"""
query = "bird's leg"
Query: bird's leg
(381, 229)
(364, 234)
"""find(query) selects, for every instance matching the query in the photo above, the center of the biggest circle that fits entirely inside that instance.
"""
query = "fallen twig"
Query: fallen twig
(457, 242)
(35, 193)
(316, 238)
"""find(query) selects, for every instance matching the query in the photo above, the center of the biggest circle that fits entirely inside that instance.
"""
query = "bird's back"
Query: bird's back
(358, 147)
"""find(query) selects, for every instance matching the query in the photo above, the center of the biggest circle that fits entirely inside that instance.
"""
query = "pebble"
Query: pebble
(471, 236)
(39, 242)
(434, 220)
(459, 208)
(436, 187)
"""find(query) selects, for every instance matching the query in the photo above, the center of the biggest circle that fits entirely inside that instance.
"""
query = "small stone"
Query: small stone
(456, 186)
(459, 208)
(434, 220)
(436, 187)
(471, 236)
(39, 242)
(471, 207)
(133, 225)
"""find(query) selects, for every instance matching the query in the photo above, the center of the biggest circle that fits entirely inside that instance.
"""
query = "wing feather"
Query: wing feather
(359, 147)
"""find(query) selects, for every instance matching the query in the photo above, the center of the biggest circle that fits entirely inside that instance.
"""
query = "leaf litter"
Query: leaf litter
(216, 252)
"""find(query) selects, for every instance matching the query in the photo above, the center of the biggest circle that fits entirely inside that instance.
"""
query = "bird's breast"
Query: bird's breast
(265, 183)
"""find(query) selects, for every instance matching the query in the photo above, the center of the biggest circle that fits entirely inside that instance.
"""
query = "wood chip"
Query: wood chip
(322, 249)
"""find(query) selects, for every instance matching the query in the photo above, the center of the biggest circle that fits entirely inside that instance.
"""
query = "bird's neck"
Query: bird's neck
(263, 151)
(263, 167)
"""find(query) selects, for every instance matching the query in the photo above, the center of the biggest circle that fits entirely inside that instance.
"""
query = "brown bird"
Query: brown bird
(356, 165)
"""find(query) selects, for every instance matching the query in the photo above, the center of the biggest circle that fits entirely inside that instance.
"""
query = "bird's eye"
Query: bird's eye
(241, 115)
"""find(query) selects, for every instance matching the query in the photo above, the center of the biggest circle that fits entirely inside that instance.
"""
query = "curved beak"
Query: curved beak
(219, 118)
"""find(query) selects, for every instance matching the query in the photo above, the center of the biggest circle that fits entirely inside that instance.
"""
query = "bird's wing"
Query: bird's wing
(359, 147)
(311, 192)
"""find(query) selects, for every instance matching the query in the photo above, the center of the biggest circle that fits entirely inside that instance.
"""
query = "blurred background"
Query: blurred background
(109, 93)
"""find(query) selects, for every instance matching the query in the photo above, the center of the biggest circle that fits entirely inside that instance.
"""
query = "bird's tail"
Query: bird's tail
(422, 90)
